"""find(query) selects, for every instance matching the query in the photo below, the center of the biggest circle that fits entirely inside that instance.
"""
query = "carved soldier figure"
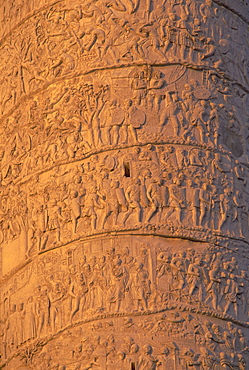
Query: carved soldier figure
(172, 113)
(164, 270)
(199, 119)
(133, 194)
(232, 294)
(113, 120)
(155, 93)
(168, 157)
(205, 204)
(147, 361)
(155, 198)
(41, 223)
(195, 278)
(179, 275)
(76, 209)
(91, 203)
(112, 205)
(193, 200)
(214, 286)
(238, 208)
(129, 132)
(176, 198)
(139, 86)
(54, 218)
(226, 209)
(139, 285)
(168, 32)
(185, 37)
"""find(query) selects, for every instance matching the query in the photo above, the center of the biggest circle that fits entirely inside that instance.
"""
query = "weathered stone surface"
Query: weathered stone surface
(124, 184)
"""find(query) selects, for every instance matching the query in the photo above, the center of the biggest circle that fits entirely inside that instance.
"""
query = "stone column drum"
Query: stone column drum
(124, 184)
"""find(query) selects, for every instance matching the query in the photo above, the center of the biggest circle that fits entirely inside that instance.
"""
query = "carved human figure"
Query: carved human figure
(188, 100)
(146, 360)
(54, 219)
(139, 285)
(112, 203)
(205, 204)
(100, 279)
(195, 278)
(95, 108)
(179, 275)
(168, 33)
(155, 198)
(139, 86)
(117, 285)
(215, 208)
(191, 359)
(129, 132)
(164, 274)
(11, 335)
(113, 120)
(182, 159)
(56, 297)
(168, 157)
(172, 113)
(150, 31)
(21, 323)
(226, 206)
(198, 122)
(176, 198)
(41, 222)
(193, 201)
(96, 42)
(42, 311)
(155, 92)
(214, 286)
(185, 37)
(133, 196)
(244, 279)
(91, 203)
(241, 362)
(206, 358)
(77, 290)
(75, 209)
(238, 207)
(30, 319)
(212, 124)
(232, 294)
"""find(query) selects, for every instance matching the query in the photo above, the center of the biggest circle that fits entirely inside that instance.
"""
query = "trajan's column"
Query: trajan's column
(124, 178)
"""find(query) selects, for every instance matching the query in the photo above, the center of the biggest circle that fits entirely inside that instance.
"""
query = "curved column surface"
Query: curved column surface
(124, 184)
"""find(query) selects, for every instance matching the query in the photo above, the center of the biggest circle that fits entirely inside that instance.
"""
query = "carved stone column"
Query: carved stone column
(124, 184)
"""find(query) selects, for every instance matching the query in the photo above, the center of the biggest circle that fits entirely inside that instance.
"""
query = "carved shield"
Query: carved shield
(202, 93)
(118, 117)
(121, 197)
(138, 118)
(109, 162)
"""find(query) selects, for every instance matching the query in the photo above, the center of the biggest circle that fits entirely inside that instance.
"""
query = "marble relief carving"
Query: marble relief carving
(124, 185)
